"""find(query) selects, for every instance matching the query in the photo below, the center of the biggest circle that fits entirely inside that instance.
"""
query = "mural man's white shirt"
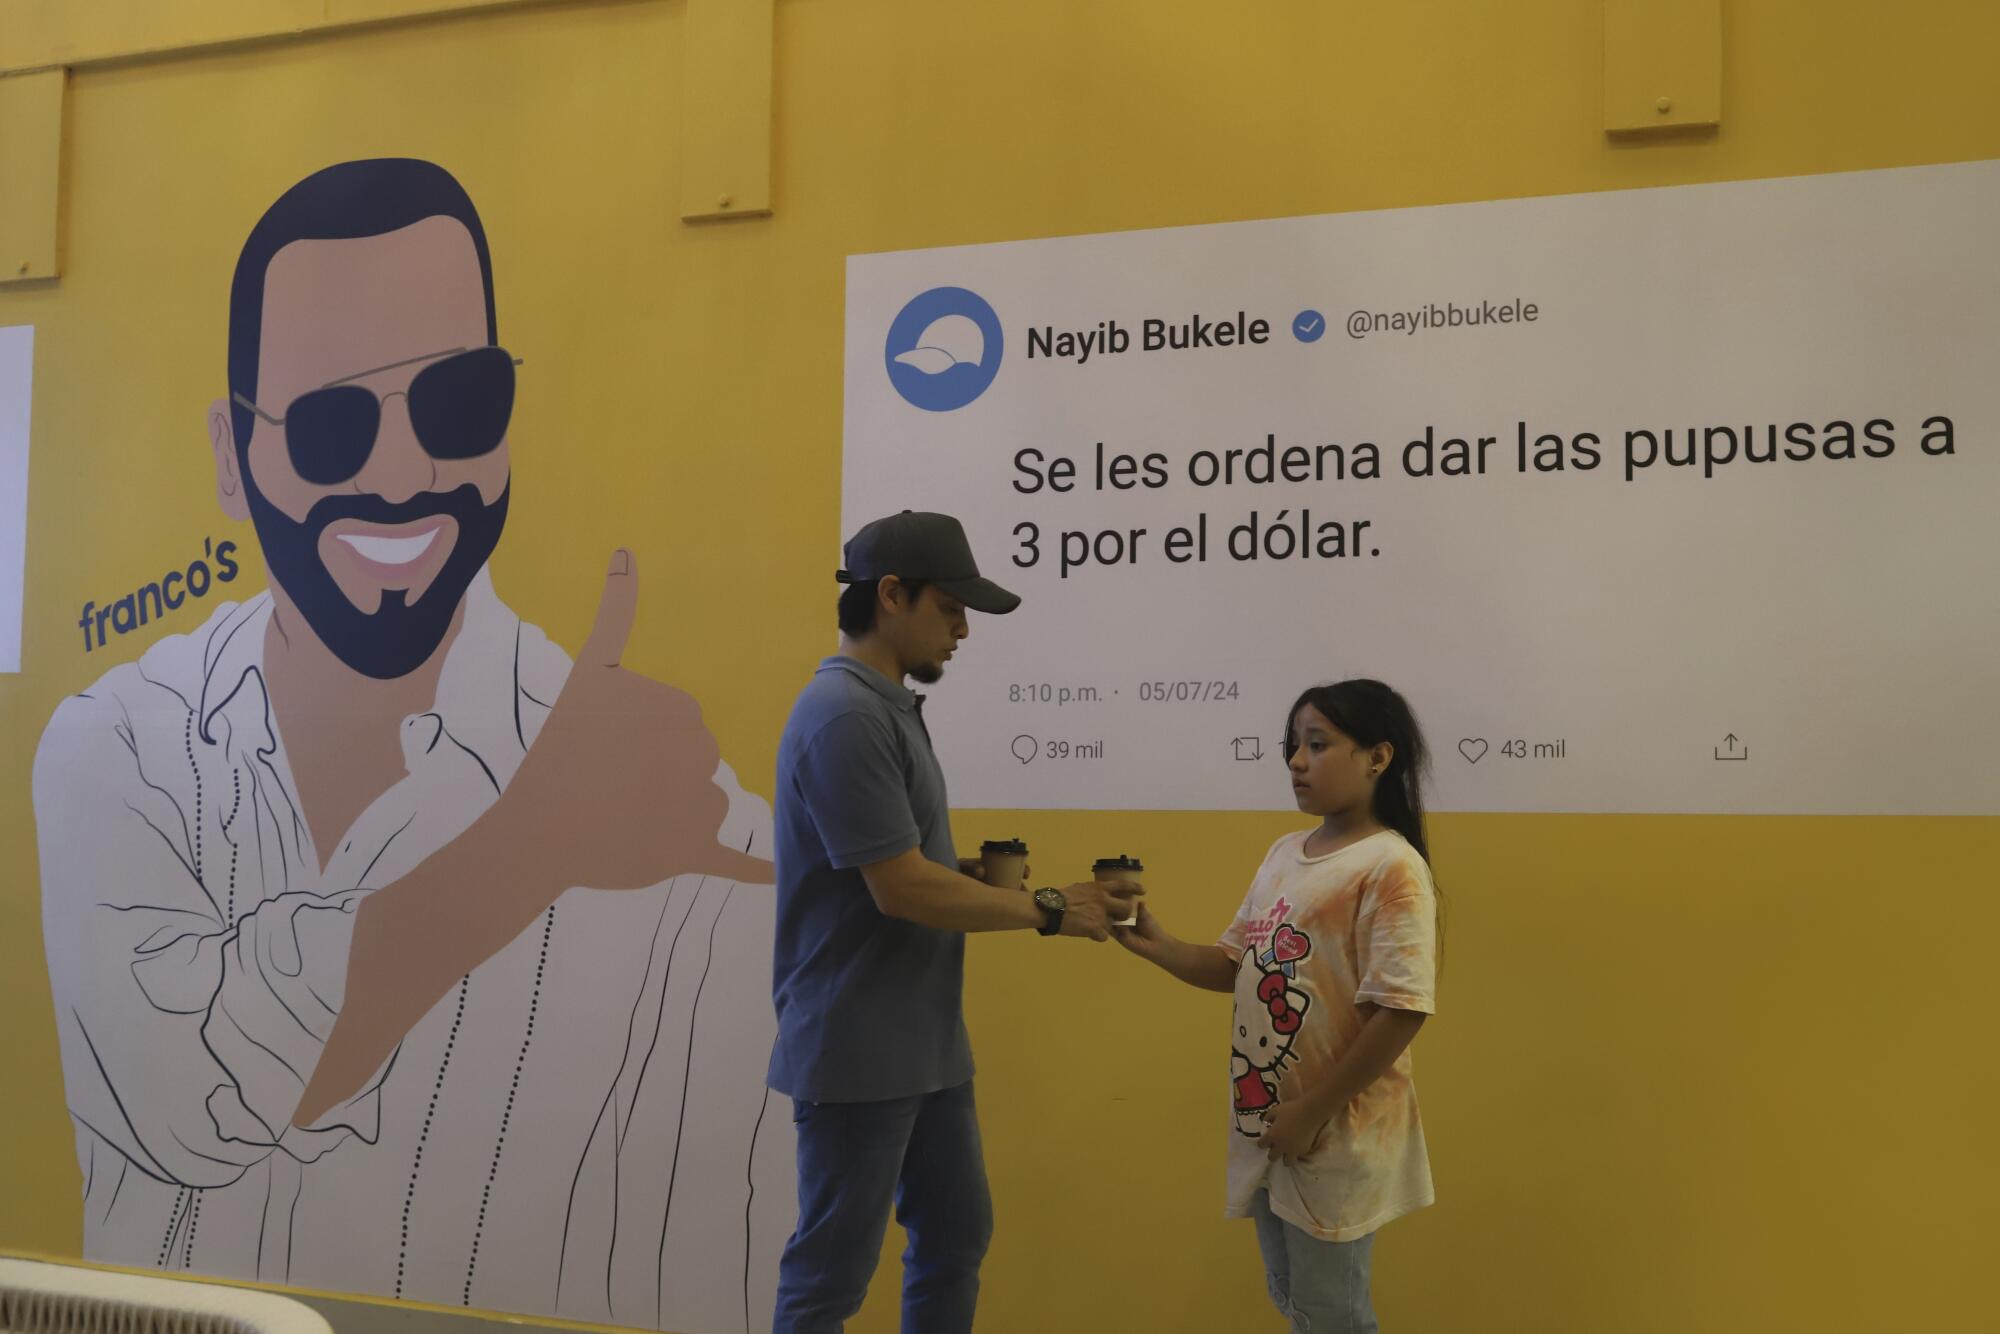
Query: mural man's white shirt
(580, 1128)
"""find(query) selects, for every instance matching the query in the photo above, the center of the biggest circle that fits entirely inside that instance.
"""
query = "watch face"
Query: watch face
(1050, 900)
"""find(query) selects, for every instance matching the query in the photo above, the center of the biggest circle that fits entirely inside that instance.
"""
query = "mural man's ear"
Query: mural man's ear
(228, 476)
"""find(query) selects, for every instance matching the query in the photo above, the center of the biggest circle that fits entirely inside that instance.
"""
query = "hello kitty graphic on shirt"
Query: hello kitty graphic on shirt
(1269, 1013)
(1318, 940)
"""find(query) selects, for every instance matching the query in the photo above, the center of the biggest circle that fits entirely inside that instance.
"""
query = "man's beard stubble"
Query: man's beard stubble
(398, 637)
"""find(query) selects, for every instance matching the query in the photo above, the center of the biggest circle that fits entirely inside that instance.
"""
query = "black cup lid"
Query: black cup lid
(1005, 847)
(1119, 863)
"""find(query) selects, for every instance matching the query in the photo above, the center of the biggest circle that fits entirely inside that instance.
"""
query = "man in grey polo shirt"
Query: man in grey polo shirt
(873, 907)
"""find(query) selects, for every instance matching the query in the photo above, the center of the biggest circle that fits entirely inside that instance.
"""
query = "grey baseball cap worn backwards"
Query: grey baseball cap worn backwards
(931, 547)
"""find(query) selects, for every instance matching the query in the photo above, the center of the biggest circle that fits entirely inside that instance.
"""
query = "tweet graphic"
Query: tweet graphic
(1643, 505)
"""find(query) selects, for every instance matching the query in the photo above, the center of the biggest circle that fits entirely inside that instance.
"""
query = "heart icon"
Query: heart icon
(1288, 945)
(1473, 748)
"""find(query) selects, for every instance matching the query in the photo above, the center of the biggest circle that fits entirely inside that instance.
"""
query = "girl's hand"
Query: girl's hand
(1292, 1130)
(1146, 937)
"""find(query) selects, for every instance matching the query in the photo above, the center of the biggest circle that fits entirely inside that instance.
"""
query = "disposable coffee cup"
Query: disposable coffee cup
(1005, 861)
(1120, 867)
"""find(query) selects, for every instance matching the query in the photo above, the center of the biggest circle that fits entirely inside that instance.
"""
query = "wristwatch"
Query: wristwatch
(1053, 905)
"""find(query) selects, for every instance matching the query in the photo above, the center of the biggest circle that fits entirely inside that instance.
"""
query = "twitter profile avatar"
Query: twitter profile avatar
(944, 349)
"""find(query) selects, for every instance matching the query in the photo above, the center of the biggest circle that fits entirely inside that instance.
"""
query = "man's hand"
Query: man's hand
(1093, 906)
(1293, 1129)
(975, 867)
(620, 784)
(618, 792)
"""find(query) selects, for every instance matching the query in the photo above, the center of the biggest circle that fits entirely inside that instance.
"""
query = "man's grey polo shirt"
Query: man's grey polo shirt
(870, 1007)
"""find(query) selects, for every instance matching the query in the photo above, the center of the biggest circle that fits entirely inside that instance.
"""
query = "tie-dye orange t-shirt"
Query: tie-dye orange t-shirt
(1317, 937)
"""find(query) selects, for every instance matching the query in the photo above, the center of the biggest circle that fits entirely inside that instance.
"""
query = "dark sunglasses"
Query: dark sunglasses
(459, 407)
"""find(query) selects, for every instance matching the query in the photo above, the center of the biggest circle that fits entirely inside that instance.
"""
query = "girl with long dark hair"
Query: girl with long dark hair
(1332, 960)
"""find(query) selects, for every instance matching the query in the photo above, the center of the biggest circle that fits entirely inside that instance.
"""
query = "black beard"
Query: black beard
(398, 637)
(928, 674)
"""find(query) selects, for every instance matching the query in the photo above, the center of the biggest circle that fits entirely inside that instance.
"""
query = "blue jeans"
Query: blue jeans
(854, 1158)
(1320, 1286)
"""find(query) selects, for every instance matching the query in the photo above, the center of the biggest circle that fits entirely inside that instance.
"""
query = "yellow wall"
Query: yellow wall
(1691, 1073)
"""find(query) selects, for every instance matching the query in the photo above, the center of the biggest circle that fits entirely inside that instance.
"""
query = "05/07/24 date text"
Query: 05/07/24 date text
(1149, 692)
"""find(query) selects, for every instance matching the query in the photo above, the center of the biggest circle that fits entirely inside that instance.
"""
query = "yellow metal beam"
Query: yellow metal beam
(726, 166)
(31, 125)
(1662, 65)
(726, 78)
(39, 34)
